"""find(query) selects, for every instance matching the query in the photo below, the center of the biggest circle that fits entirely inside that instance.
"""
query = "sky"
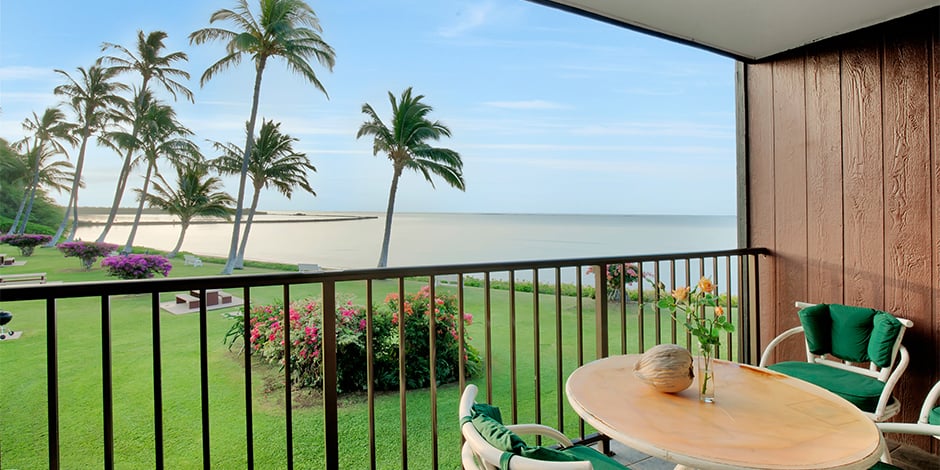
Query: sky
(551, 112)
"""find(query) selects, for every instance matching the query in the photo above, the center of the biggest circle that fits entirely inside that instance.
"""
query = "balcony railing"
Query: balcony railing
(524, 338)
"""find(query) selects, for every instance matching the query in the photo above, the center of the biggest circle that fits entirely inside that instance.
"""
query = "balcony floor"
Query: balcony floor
(902, 455)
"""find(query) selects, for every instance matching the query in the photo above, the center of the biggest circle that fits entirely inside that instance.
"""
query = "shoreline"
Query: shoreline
(315, 219)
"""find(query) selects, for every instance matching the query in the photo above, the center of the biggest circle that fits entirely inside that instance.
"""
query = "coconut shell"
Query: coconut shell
(666, 367)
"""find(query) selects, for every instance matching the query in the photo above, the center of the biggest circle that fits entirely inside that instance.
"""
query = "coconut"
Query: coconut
(666, 367)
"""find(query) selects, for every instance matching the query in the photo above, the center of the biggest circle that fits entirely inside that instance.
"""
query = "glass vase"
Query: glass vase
(706, 373)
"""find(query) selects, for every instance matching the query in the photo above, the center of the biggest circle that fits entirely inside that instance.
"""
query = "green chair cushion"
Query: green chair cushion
(851, 332)
(861, 391)
(884, 333)
(934, 416)
(488, 410)
(497, 435)
(817, 326)
(597, 459)
(884, 466)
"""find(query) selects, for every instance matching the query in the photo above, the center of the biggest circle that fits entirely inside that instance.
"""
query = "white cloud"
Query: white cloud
(23, 72)
(699, 150)
(525, 104)
(669, 128)
(469, 19)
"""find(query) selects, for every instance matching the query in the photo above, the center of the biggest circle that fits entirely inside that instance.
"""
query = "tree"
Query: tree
(196, 194)
(160, 136)
(288, 29)
(150, 64)
(90, 97)
(273, 162)
(47, 133)
(406, 145)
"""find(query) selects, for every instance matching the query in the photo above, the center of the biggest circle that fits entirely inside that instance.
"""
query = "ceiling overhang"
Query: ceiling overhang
(747, 30)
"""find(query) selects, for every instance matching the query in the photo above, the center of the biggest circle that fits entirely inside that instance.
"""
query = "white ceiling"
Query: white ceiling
(746, 29)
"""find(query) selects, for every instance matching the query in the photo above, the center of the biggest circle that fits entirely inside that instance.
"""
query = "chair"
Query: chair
(193, 260)
(927, 424)
(840, 340)
(479, 453)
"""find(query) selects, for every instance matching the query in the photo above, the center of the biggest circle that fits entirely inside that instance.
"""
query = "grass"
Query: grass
(23, 386)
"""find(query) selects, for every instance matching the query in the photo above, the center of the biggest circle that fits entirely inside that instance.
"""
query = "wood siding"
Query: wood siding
(843, 185)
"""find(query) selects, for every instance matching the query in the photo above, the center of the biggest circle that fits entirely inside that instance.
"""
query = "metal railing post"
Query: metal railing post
(600, 311)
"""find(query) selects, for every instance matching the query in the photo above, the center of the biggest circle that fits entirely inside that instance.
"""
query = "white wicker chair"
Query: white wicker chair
(923, 426)
(887, 406)
(478, 454)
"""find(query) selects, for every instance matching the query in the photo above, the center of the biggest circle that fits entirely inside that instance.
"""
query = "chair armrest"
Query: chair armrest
(910, 428)
(765, 357)
(932, 400)
(541, 430)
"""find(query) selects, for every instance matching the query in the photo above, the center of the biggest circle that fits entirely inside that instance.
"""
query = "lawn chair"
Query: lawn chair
(927, 424)
(490, 445)
(192, 260)
(840, 341)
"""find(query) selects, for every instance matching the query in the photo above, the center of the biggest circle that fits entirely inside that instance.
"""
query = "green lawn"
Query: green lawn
(23, 385)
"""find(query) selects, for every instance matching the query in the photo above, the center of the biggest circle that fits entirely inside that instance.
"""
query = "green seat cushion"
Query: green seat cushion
(934, 416)
(597, 459)
(861, 391)
(884, 466)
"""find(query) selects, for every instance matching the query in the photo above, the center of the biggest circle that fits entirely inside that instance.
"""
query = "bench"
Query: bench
(189, 300)
(39, 278)
(193, 260)
(5, 261)
(308, 268)
(213, 297)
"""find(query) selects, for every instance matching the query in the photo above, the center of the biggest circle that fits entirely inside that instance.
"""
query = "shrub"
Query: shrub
(26, 242)
(618, 275)
(86, 252)
(136, 266)
(266, 338)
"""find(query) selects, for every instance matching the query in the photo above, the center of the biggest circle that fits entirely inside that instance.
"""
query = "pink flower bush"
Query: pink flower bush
(26, 242)
(135, 266)
(87, 252)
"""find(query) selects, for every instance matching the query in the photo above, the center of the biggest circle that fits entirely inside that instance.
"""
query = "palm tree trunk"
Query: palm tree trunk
(118, 192)
(240, 260)
(249, 143)
(86, 133)
(179, 243)
(74, 220)
(140, 209)
(19, 212)
(29, 209)
(383, 256)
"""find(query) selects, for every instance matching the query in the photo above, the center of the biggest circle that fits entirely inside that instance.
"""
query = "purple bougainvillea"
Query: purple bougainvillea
(136, 266)
(26, 242)
(87, 252)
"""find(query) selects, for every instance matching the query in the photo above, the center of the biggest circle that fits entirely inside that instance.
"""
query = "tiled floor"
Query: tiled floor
(903, 456)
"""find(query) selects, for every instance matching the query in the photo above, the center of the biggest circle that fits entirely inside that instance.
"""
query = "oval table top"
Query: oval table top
(761, 419)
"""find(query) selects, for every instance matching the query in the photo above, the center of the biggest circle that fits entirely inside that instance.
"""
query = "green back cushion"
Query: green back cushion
(934, 416)
(851, 332)
(487, 410)
(884, 333)
(862, 391)
(817, 325)
(497, 435)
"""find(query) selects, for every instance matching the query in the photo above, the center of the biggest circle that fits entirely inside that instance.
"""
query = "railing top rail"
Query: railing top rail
(142, 286)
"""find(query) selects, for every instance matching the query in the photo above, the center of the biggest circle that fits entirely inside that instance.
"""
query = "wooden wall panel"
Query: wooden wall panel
(760, 142)
(908, 254)
(853, 170)
(790, 189)
(863, 189)
(824, 177)
(934, 109)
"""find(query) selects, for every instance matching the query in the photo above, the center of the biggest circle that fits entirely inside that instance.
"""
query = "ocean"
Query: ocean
(353, 240)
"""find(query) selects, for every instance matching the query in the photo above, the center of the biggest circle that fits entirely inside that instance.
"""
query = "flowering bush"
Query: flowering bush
(26, 242)
(618, 275)
(136, 266)
(266, 338)
(87, 252)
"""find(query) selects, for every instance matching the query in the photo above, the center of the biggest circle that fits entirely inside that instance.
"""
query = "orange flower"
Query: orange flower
(719, 311)
(705, 285)
(680, 294)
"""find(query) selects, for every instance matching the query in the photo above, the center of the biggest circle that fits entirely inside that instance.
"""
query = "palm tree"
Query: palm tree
(47, 133)
(150, 64)
(288, 29)
(407, 148)
(195, 194)
(273, 162)
(159, 135)
(91, 97)
(55, 175)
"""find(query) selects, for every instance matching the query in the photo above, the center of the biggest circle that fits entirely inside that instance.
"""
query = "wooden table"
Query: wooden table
(761, 419)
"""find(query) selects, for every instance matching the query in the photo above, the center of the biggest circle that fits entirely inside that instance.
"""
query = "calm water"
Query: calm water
(427, 239)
